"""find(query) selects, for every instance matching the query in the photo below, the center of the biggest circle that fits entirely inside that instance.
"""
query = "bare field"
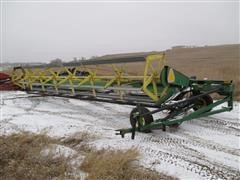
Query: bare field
(213, 62)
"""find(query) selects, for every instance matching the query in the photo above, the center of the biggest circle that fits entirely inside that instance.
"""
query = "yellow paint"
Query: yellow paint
(171, 76)
(151, 78)
(152, 74)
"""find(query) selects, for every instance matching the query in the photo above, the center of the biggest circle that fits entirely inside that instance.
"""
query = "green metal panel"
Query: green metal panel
(179, 78)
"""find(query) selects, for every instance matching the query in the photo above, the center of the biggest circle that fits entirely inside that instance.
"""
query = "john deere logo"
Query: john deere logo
(171, 76)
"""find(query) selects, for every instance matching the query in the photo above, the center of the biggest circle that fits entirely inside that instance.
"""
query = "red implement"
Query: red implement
(5, 82)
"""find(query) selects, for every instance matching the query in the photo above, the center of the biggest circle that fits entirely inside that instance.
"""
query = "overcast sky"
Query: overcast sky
(40, 32)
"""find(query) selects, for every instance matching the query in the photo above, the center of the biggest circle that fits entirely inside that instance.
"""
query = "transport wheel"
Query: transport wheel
(141, 121)
(203, 101)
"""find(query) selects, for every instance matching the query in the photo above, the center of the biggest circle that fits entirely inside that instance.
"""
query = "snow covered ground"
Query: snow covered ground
(199, 149)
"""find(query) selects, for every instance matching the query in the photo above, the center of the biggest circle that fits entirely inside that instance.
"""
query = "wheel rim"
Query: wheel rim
(141, 121)
(200, 103)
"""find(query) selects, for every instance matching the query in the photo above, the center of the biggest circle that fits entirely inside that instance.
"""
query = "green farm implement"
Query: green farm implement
(161, 88)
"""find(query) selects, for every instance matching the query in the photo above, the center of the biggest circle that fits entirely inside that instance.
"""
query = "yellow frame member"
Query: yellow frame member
(26, 78)
(152, 74)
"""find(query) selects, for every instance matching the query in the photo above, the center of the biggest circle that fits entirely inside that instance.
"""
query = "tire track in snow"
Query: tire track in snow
(183, 149)
(224, 126)
(196, 164)
(180, 153)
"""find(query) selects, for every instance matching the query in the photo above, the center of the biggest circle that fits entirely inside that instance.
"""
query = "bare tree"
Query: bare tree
(83, 58)
(94, 57)
(56, 61)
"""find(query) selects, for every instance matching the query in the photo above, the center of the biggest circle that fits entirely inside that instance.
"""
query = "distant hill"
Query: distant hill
(7, 66)
(220, 62)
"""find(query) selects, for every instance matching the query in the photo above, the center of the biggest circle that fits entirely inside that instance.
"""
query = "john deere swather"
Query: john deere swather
(181, 98)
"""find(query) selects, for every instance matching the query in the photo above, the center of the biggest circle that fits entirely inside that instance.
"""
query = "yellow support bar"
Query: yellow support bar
(152, 73)
(26, 78)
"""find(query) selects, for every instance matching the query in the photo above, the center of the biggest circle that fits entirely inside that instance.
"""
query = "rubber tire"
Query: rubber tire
(148, 118)
(205, 101)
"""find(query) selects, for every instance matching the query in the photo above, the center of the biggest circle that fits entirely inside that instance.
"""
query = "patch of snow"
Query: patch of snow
(57, 150)
(203, 148)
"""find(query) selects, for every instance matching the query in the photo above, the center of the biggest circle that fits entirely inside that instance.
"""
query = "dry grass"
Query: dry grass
(21, 158)
(117, 165)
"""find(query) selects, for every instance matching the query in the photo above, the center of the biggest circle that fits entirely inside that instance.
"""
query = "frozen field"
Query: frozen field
(200, 149)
